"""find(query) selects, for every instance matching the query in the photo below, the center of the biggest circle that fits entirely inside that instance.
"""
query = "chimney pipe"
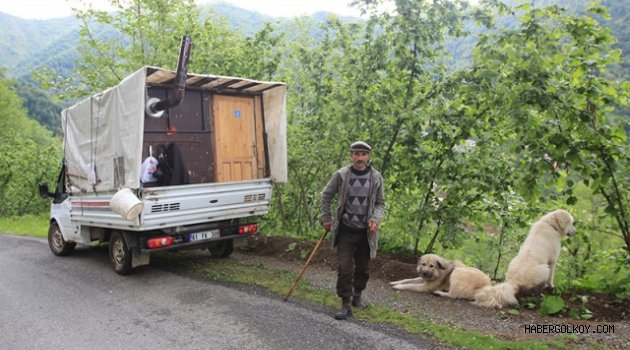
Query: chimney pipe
(155, 107)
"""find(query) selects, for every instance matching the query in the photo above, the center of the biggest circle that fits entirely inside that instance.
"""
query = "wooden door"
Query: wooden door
(235, 138)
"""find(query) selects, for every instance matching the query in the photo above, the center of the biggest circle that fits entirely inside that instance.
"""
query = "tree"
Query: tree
(40, 106)
(547, 79)
(148, 32)
(432, 117)
(28, 154)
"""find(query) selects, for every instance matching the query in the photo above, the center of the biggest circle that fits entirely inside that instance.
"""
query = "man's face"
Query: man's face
(359, 159)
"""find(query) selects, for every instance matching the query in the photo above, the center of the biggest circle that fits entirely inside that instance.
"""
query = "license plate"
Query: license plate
(203, 235)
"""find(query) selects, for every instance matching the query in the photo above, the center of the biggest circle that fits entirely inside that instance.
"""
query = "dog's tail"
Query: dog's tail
(498, 296)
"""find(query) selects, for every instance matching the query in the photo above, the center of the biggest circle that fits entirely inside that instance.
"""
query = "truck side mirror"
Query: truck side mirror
(43, 190)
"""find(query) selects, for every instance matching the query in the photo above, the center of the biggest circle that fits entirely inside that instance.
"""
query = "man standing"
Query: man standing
(359, 190)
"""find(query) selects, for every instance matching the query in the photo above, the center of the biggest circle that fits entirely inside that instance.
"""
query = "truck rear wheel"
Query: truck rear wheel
(57, 244)
(221, 249)
(119, 254)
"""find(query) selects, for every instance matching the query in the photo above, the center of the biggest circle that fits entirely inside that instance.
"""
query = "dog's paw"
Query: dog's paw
(394, 283)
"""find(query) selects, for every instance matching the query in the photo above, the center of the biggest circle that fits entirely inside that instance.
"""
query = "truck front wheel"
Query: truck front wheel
(57, 244)
(119, 254)
(221, 249)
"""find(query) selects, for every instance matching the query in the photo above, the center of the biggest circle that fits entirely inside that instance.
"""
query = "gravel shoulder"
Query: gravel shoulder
(428, 307)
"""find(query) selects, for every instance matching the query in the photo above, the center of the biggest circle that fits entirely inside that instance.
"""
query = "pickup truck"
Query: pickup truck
(168, 161)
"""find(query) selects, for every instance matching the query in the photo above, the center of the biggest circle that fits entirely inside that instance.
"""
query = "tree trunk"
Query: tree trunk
(432, 242)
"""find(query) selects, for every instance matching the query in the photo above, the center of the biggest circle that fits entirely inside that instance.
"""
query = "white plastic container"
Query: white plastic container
(126, 204)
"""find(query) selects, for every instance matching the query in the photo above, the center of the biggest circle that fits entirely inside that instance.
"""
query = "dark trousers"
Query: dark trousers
(353, 263)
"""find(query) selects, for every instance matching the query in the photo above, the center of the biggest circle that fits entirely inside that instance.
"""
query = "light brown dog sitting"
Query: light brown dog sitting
(535, 264)
(444, 277)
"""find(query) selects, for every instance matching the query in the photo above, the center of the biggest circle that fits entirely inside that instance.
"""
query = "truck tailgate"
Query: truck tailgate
(191, 204)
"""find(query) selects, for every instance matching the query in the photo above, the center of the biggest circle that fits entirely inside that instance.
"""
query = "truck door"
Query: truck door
(234, 126)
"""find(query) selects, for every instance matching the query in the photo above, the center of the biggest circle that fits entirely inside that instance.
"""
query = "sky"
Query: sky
(45, 9)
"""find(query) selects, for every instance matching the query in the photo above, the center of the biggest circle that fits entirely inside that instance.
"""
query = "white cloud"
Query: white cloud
(290, 8)
(44, 9)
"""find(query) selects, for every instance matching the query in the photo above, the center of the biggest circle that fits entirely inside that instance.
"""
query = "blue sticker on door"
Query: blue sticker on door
(237, 113)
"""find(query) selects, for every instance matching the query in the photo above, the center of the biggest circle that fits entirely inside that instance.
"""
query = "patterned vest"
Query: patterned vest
(356, 206)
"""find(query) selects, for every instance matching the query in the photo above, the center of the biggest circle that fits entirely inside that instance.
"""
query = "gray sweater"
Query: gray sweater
(338, 185)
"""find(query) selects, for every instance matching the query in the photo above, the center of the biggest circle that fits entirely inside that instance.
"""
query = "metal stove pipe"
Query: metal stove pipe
(155, 106)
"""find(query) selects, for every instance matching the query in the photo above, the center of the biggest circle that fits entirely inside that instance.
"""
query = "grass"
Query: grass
(29, 225)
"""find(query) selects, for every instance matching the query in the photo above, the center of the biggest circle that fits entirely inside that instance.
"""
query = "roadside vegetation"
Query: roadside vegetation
(26, 225)
(472, 152)
(278, 282)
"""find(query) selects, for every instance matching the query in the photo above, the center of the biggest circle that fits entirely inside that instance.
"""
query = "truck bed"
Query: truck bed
(181, 205)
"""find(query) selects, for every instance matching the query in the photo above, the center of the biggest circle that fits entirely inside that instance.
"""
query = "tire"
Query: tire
(57, 244)
(221, 249)
(119, 254)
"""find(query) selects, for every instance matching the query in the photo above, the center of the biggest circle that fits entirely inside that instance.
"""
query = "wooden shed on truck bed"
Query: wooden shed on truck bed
(225, 129)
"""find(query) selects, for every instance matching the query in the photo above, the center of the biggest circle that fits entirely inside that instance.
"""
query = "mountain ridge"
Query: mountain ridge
(28, 45)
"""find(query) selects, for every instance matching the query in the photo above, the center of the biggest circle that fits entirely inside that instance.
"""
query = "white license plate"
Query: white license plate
(203, 235)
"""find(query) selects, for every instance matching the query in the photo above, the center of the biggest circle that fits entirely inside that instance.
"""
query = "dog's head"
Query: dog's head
(561, 221)
(431, 267)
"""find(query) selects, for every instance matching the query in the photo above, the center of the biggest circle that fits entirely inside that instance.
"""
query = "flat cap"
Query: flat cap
(360, 146)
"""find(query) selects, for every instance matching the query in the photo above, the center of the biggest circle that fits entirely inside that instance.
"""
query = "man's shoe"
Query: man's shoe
(344, 313)
(358, 303)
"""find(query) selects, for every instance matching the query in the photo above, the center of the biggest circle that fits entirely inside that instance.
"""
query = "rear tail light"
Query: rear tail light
(159, 242)
(249, 228)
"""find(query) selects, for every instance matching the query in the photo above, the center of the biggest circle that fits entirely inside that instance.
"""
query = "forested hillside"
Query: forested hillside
(471, 152)
(32, 44)
(28, 154)
(20, 39)
(28, 46)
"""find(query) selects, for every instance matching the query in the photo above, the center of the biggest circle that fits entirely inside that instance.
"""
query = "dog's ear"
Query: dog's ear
(555, 220)
(561, 221)
(557, 225)
(444, 264)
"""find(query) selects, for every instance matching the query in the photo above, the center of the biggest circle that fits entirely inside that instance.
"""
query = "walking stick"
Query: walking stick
(299, 275)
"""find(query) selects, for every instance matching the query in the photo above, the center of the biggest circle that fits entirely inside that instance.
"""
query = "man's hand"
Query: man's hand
(327, 226)
(373, 226)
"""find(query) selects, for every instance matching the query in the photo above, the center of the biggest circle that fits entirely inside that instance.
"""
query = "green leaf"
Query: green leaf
(586, 314)
(515, 312)
(551, 304)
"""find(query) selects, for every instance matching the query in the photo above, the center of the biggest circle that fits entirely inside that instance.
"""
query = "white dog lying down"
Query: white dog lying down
(534, 265)
(444, 277)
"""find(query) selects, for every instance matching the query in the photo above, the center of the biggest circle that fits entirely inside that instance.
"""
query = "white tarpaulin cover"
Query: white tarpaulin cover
(103, 133)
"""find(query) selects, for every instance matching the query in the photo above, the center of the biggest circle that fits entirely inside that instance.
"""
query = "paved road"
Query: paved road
(78, 302)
